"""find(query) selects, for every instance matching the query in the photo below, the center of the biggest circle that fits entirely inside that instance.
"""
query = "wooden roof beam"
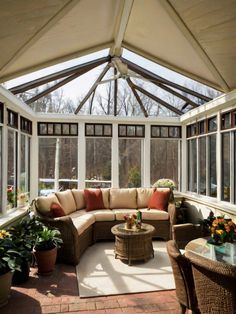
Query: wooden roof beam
(81, 69)
(93, 88)
(157, 99)
(52, 88)
(131, 85)
(154, 77)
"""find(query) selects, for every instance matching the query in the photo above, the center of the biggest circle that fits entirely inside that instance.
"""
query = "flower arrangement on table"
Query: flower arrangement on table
(130, 220)
(223, 230)
(167, 183)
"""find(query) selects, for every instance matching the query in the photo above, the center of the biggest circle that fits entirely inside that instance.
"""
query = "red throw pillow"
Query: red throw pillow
(93, 199)
(56, 210)
(159, 200)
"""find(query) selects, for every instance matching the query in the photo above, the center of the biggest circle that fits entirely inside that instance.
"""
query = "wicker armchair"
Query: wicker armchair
(184, 283)
(184, 233)
(215, 284)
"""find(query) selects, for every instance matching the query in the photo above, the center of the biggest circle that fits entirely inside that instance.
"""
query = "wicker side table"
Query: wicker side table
(133, 245)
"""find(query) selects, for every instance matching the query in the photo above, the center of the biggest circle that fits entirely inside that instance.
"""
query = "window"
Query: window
(12, 119)
(212, 166)
(192, 165)
(164, 160)
(130, 130)
(225, 192)
(98, 162)
(202, 165)
(25, 125)
(24, 182)
(1, 112)
(12, 169)
(192, 130)
(59, 129)
(1, 170)
(98, 129)
(130, 161)
(212, 124)
(165, 131)
(57, 164)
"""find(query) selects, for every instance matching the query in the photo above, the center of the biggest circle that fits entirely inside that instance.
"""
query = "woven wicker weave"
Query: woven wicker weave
(215, 284)
(183, 276)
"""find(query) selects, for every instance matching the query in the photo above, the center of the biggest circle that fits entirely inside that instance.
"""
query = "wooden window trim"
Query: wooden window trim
(126, 130)
(15, 115)
(94, 128)
(54, 133)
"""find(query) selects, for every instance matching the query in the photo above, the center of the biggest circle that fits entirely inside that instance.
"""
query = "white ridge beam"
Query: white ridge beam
(121, 26)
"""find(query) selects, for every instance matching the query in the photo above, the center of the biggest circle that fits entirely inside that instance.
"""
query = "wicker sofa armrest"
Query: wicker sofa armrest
(172, 215)
(69, 252)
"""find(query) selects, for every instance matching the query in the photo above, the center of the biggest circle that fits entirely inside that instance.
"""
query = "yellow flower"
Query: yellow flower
(219, 231)
(4, 234)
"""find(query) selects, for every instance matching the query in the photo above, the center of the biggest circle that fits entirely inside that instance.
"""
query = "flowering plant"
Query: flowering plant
(10, 257)
(223, 230)
(168, 183)
(130, 220)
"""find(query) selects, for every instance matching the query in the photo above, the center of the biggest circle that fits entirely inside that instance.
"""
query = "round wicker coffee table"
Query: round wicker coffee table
(132, 244)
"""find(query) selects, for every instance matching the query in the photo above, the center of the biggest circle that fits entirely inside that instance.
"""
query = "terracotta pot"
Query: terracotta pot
(45, 261)
(5, 284)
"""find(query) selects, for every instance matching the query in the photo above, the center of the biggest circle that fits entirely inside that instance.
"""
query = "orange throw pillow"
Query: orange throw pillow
(93, 199)
(56, 210)
(159, 200)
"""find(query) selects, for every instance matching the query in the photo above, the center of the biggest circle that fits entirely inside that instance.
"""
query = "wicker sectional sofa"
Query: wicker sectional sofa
(81, 228)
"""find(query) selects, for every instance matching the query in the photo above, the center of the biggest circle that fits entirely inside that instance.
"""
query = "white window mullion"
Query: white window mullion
(208, 181)
(232, 168)
(115, 157)
(81, 156)
(145, 158)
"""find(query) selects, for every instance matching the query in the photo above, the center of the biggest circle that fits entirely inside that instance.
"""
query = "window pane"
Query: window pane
(11, 169)
(192, 165)
(212, 124)
(156, 131)
(24, 170)
(226, 166)
(57, 164)
(89, 129)
(130, 173)
(0, 169)
(122, 130)
(130, 130)
(65, 129)
(212, 166)
(107, 130)
(164, 160)
(164, 131)
(202, 165)
(98, 162)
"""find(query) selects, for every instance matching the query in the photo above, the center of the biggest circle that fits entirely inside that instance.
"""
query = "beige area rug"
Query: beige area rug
(99, 273)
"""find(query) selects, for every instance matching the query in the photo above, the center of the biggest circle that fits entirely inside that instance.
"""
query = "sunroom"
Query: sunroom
(118, 94)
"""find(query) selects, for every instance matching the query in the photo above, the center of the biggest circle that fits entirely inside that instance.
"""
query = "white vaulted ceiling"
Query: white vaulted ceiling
(194, 37)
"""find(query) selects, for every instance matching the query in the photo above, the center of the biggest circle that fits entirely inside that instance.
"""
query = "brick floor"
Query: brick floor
(58, 293)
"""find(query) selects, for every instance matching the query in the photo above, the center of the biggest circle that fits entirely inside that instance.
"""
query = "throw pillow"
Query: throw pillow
(56, 210)
(159, 200)
(93, 199)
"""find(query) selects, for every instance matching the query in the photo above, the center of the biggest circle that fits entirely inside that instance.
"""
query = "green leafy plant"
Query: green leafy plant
(47, 239)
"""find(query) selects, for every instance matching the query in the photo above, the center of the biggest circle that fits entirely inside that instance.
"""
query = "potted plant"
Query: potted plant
(45, 249)
(24, 236)
(10, 260)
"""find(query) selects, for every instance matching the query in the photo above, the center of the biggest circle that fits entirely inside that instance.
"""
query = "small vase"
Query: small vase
(5, 284)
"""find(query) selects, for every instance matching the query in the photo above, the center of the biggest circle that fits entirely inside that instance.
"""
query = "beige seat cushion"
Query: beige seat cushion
(103, 214)
(67, 201)
(119, 213)
(82, 222)
(154, 214)
(43, 204)
(79, 198)
(143, 196)
(123, 198)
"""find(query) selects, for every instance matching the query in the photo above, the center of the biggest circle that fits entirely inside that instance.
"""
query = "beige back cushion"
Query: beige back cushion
(106, 197)
(79, 198)
(43, 204)
(143, 196)
(123, 198)
(67, 201)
